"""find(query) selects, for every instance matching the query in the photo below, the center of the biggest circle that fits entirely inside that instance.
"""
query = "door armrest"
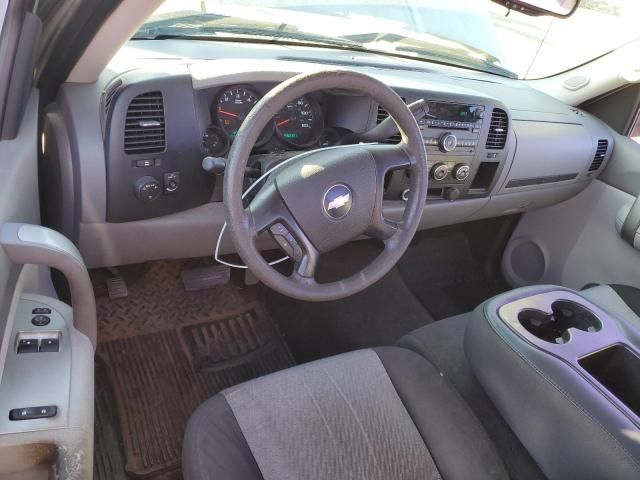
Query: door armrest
(33, 244)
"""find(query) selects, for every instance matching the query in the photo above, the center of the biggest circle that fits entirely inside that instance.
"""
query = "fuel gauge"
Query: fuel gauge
(215, 141)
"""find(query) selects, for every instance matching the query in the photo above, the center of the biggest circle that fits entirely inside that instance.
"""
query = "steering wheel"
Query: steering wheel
(328, 197)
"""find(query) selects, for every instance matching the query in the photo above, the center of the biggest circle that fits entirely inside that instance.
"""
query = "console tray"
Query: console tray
(570, 327)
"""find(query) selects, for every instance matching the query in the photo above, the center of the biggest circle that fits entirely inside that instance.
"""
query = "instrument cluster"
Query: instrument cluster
(300, 124)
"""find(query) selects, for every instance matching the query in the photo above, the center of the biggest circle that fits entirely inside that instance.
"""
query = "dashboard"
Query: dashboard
(127, 152)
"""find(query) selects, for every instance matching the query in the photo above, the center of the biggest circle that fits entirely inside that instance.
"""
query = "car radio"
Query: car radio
(454, 135)
(452, 128)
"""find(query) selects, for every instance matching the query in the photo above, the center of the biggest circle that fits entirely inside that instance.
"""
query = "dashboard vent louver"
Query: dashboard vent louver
(144, 126)
(110, 94)
(108, 98)
(381, 115)
(598, 158)
(497, 137)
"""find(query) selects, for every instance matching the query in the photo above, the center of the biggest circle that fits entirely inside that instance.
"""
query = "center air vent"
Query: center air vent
(497, 137)
(598, 158)
(382, 114)
(144, 127)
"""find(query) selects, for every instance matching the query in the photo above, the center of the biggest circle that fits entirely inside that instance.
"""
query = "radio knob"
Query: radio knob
(448, 142)
(439, 171)
(147, 189)
(461, 171)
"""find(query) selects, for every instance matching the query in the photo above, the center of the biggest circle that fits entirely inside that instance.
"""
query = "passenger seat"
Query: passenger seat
(621, 300)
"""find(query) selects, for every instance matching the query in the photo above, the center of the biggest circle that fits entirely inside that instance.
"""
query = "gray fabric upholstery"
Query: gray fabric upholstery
(329, 419)
(454, 436)
(442, 343)
(214, 447)
(619, 300)
(338, 417)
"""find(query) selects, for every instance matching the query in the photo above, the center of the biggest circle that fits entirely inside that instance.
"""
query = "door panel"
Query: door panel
(19, 200)
(576, 242)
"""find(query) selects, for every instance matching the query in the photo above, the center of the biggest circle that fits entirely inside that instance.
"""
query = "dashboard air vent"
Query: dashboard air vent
(382, 114)
(144, 126)
(108, 98)
(497, 137)
(598, 158)
(110, 94)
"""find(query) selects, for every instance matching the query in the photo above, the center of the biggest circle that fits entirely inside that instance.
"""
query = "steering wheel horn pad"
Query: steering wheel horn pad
(304, 187)
(328, 197)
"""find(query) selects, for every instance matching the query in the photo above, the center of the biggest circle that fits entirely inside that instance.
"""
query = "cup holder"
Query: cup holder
(553, 327)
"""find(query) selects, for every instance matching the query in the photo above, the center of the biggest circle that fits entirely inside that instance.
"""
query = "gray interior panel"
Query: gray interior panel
(623, 171)
(19, 199)
(546, 141)
(580, 240)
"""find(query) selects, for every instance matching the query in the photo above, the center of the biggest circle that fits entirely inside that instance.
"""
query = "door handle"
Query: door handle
(37, 245)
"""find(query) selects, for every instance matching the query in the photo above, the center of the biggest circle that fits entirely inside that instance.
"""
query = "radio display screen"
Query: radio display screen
(453, 112)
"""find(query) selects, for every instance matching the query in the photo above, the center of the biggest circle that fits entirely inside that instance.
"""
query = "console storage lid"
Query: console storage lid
(536, 352)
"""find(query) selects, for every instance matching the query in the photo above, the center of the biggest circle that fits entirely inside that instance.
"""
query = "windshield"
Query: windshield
(475, 34)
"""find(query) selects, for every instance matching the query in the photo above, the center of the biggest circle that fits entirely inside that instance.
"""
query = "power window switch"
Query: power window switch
(50, 345)
(41, 311)
(31, 413)
(28, 345)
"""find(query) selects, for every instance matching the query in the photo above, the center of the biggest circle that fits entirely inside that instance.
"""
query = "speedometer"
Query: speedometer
(299, 123)
(233, 106)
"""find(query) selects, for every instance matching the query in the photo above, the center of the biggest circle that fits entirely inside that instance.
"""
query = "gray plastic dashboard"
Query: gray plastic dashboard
(547, 158)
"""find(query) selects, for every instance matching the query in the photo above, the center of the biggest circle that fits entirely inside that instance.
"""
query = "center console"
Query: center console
(564, 373)
(466, 148)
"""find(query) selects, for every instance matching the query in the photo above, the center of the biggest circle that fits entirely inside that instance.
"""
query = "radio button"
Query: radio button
(448, 142)
(461, 171)
(439, 171)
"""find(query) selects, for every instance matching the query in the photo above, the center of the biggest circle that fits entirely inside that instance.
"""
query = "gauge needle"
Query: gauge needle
(229, 113)
(283, 122)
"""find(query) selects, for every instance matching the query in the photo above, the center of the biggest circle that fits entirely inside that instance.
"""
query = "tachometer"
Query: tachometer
(299, 123)
(233, 106)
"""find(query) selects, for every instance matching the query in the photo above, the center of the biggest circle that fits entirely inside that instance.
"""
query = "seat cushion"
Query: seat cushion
(442, 343)
(623, 301)
(371, 414)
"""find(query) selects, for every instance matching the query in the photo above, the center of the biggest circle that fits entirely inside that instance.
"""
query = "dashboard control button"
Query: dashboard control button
(448, 142)
(171, 182)
(147, 188)
(41, 311)
(439, 171)
(461, 171)
(286, 241)
(30, 413)
(149, 162)
(28, 345)
(40, 320)
(451, 194)
(48, 345)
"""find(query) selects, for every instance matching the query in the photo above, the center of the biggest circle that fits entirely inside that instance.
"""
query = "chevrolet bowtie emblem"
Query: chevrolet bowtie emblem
(337, 201)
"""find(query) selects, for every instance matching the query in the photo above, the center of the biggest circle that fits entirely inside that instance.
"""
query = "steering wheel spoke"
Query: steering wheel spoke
(269, 212)
(266, 210)
(305, 268)
(390, 157)
(382, 229)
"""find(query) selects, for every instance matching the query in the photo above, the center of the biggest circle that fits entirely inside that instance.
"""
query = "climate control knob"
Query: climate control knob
(448, 142)
(461, 171)
(439, 171)
(147, 188)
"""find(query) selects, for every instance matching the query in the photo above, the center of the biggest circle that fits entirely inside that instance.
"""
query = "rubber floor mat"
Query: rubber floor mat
(164, 351)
